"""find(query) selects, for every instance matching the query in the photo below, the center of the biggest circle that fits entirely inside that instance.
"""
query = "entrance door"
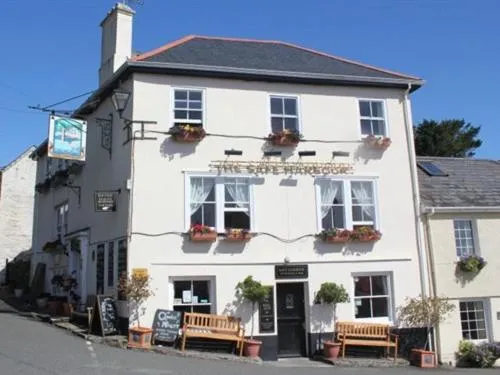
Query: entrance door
(291, 319)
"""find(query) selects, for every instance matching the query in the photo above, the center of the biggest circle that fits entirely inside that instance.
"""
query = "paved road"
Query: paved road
(29, 347)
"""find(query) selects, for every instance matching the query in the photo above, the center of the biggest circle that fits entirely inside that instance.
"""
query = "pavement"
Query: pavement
(30, 347)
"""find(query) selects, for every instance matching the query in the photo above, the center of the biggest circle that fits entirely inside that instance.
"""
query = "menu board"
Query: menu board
(104, 316)
(166, 325)
(266, 313)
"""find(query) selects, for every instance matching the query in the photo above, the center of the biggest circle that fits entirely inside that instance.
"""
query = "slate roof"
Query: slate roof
(261, 55)
(470, 183)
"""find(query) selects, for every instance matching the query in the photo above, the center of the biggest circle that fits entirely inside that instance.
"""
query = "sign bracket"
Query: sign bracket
(129, 127)
(106, 133)
(77, 190)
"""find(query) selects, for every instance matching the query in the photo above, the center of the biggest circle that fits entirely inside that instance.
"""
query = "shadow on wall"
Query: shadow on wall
(233, 247)
(321, 322)
(365, 154)
(358, 248)
(190, 247)
(321, 247)
(170, 148)
(463, 278)
(286, 152)
(242, 310)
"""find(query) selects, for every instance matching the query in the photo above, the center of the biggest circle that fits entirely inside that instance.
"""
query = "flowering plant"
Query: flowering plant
(187, 130)
(365, 233)
(378, 141)
(290, 135)
(482, 355)
(238, 233)
(334, 233)
(200, 228)
(471, 263)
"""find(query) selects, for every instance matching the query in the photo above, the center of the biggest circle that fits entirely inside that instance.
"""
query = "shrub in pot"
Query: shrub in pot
(42, 300)
(136, 288)
(331, 294)
(253, 292)
(483, 355)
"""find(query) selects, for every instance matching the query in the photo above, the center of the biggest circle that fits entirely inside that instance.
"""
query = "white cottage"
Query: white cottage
(353, 168)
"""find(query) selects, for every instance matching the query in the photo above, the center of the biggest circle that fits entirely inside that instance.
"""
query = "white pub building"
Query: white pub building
(224, 158)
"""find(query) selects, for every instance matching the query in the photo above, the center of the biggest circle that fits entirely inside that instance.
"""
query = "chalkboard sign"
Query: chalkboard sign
(166, 325)
(104, 316)
(266, 313)
(105, 201)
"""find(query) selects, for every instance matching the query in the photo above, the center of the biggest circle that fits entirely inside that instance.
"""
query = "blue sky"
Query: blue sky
(50, 49)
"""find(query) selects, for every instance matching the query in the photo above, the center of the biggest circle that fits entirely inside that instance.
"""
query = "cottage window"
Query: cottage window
(284, 113)
(372, 115)
(192, 296)
(345, 204)
(62, 221)
(372, 297)
(188, 107)
(100, 269)
(473, 320)
(220, 203)
(111, 263)
(464, 238)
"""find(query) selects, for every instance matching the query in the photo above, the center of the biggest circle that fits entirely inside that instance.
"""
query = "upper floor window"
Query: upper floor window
(284, 113)
(188, 107)
(220, 203)
(464, 238)
(62, 220)
(372, 116)
(346, 204)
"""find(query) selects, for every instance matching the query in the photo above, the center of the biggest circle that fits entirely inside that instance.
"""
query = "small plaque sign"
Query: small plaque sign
(266, 313)
(291, 271)
(105, 201)
(140, 272)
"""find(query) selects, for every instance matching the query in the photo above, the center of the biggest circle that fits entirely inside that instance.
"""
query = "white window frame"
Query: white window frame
(348, 220)
(286, 96)
(475, 242)
(212, 294)
(62, 220)
(389, 319)
(219, 199)
(487, 315)
(385, 118)
(201, 122)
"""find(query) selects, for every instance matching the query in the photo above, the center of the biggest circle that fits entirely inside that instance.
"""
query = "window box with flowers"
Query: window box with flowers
(365, 234)
(378, 142)
(202, 233)
(334, 235)
(236, 234)
(187, 133)
(285, 138)
(54, 247)
(471, 263)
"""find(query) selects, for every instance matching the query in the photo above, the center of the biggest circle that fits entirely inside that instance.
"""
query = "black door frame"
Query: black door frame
(305, 286)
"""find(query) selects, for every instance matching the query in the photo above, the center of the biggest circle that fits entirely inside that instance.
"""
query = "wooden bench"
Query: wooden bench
(366, 334)
(217, 327)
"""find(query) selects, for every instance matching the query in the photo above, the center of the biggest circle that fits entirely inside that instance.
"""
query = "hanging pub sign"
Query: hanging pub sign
(67, 138)
(105, 201)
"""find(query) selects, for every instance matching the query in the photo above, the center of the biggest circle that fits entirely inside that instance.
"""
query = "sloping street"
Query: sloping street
(31, 347)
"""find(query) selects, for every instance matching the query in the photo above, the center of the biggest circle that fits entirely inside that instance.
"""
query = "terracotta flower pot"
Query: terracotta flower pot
(139, 337)
(332, 239)
(284, 141)
(203, 237)
(252, 348)
(54, 307)
(67, 309)
(331, 349)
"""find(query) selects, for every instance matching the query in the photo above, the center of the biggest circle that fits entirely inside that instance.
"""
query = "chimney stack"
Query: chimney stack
(116, 47)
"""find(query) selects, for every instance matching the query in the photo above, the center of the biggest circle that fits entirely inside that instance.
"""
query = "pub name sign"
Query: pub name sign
(271, 167)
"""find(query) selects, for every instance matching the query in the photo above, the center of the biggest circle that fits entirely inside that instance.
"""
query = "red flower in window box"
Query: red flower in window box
(202, 233)
(379, 142)
(285, 138)
(187, 133)
(335, 235)
(236, 234)
(365, 234)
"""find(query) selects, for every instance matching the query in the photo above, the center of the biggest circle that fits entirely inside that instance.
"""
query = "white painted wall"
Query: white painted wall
(458, 286)
(241, 108)
(16, 207)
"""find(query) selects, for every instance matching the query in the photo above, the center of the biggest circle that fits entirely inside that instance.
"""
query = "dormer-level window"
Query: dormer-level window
(372, 115)
(188, 107)
(284, 113)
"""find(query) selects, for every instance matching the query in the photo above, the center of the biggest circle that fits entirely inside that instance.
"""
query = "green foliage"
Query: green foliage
(452, 138)
(252, 291)
(483, 355)
(424, 312)
(332, 294)
(136, 288)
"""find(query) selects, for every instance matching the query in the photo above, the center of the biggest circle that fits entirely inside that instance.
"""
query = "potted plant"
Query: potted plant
(253, 292)
(427, 313)
(379, 142)
(471, 263)
(18, 292)
(137, 290)
(54, 247)
(334, 235)
(67, 283)
(331, 294)
(285, 138)
(187, 133)
(42, 300)
(202, 233)
(236, 234)
(365, 233)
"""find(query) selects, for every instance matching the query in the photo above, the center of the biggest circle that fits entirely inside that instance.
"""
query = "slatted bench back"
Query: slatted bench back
(220, 323)
(362, 330)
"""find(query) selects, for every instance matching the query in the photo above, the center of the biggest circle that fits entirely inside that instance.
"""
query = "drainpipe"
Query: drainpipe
(416, 198)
